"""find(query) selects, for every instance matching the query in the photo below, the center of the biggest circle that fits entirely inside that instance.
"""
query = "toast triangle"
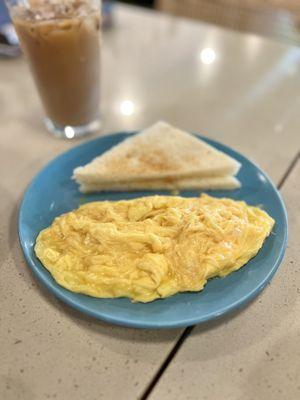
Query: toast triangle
(214, 183)
(160, 151)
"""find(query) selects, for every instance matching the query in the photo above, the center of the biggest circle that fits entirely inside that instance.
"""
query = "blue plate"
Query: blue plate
(52, 193)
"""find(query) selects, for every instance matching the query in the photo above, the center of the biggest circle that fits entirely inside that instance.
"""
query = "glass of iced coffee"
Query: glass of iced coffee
(60, 39)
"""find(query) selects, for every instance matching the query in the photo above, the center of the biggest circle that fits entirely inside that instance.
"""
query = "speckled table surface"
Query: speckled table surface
(240, 89)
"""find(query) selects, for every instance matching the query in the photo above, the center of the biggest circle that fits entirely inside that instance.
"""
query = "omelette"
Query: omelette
(151, 247)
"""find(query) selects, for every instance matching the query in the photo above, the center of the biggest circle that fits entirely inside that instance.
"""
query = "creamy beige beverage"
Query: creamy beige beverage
(61, 41)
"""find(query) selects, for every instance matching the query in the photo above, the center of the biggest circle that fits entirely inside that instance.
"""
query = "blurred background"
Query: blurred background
(279, 19)
(276, 19)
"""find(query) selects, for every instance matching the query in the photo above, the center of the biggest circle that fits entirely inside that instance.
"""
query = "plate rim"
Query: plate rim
(238, 304)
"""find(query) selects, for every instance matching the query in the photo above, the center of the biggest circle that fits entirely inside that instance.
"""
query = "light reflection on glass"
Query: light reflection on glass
(127, 108)
(69, 132)
(207, 55)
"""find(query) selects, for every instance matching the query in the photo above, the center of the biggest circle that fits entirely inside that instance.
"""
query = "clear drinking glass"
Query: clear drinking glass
(60, 39)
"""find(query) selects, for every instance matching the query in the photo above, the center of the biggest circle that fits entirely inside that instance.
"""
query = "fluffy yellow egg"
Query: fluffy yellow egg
(151, 247)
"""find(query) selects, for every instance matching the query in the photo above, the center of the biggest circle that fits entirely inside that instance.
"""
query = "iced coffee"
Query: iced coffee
(61, 41)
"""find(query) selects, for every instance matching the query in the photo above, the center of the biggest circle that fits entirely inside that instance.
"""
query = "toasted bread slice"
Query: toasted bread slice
(160, 151)
(214, 183)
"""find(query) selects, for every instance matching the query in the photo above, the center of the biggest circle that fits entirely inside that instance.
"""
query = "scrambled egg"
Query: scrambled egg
(151, 247)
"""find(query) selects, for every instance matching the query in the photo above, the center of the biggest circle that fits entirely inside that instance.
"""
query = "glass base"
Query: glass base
(72, 132)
